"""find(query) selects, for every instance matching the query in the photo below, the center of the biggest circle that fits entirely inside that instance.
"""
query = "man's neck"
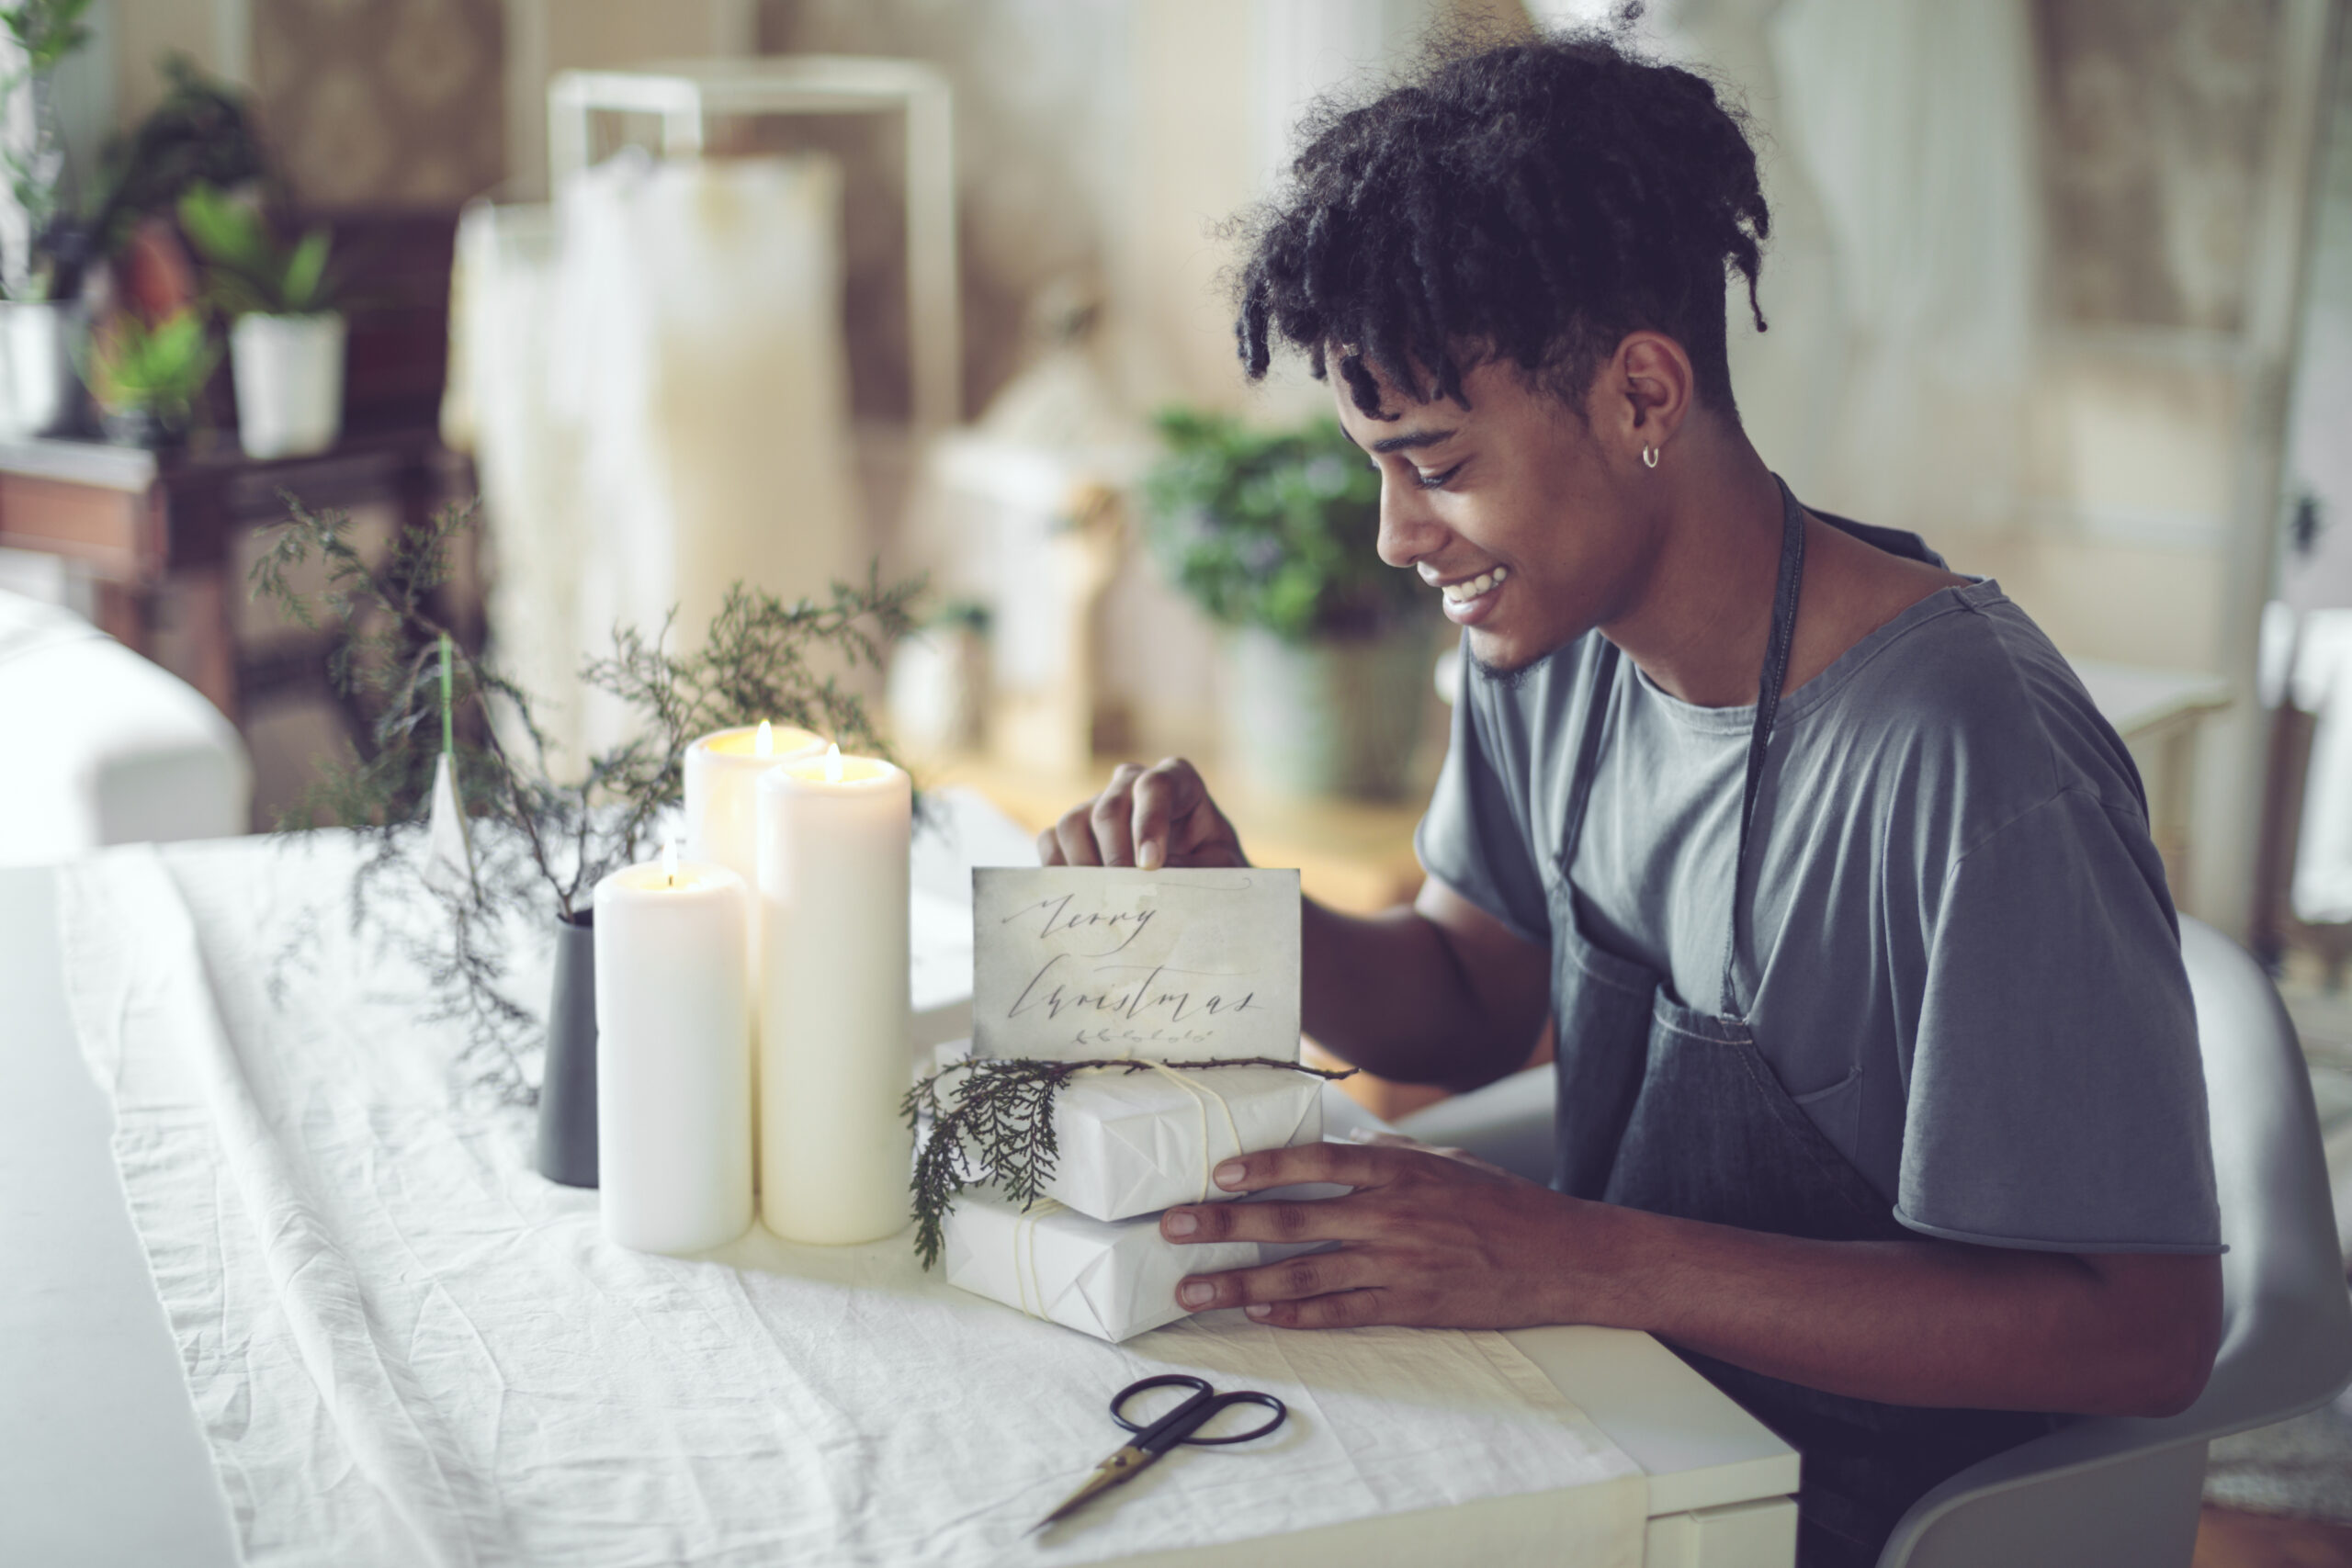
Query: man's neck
(1701, 625)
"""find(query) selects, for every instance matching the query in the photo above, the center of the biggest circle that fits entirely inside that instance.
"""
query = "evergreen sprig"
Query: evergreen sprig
(995, 1124)
(541, 840)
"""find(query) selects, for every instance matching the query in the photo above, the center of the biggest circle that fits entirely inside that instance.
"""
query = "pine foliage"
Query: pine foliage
(541, 840)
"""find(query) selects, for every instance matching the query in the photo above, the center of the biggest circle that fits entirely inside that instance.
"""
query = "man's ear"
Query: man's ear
(1652, 386)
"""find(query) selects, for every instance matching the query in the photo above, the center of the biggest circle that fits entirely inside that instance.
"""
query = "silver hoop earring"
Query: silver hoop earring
(1650, 456)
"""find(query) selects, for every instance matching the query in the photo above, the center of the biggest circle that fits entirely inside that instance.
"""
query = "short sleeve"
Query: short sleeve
(2056, 1097)
(1476, 836)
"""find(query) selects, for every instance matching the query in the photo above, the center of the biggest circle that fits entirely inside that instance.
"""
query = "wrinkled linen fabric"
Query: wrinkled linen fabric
(405, 1348)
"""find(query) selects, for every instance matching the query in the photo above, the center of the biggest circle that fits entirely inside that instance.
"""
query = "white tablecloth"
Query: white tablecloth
(406, 1348)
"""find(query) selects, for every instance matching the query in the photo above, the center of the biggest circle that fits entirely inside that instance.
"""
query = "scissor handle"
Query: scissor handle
(1179, 1425)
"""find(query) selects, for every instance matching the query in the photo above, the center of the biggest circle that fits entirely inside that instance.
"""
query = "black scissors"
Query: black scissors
(1177, 1427)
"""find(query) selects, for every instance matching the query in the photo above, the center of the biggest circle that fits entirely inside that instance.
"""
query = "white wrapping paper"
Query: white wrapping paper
(1112, 1278)
(1136, 1142)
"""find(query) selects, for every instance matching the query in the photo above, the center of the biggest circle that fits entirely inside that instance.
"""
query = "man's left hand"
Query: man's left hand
(1424, 1239)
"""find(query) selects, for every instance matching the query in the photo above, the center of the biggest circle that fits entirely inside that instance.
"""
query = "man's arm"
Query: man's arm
(1440, 992)
(1430, 1241)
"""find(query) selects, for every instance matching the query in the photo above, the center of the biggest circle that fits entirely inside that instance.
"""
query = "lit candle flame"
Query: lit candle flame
(763, 745)
(669, 861)
(834, 763)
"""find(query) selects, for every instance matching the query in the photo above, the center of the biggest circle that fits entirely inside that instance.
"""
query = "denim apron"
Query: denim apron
(1676, 1111)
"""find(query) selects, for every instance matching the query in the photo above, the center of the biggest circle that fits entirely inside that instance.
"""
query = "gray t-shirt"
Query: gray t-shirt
(1960, 955)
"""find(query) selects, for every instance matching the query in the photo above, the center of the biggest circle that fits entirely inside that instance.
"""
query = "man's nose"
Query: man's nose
(1408, 529)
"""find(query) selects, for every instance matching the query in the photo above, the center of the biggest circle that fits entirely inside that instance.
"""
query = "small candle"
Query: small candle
(720, 770)
(674, 1055)
(835, 1157)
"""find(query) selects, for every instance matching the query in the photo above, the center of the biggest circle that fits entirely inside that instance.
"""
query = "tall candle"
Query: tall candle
(720, 770)
(674, 1055)
(722, 812)
(835, 1157)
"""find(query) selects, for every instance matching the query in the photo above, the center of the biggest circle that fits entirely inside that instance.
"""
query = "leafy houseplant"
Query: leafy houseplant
(285, 340)
(34, 329)
(43, 32)
(146, 379)
(1273, 533)
(199, 133)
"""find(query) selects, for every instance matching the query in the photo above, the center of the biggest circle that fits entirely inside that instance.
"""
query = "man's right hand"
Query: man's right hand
(1147, 818)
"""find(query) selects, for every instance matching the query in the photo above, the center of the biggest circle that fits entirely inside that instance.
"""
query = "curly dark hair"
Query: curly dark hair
(1533, 201)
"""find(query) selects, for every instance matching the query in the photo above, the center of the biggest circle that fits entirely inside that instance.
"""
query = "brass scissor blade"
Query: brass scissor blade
(1126, 1465)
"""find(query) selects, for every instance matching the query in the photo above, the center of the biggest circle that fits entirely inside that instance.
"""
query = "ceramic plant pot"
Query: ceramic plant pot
(567, 1148)
(288, 372)
(37, 387)
(1339, 717)
(139, 427)
(938, 690)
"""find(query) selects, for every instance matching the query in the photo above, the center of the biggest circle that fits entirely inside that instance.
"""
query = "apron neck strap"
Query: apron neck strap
(1770, 681)
(1774, 675)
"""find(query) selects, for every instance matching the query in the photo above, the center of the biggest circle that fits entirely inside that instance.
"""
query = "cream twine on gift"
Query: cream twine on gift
(1201, 1095)
(1028, 1282)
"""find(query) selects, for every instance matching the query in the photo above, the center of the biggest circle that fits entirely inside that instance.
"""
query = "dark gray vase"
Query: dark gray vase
(568, 1088)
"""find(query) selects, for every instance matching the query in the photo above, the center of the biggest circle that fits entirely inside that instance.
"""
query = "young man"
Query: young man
(1879, 1088)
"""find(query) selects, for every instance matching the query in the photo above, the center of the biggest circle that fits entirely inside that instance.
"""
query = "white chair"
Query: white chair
(2117, 1493)
(104, 748)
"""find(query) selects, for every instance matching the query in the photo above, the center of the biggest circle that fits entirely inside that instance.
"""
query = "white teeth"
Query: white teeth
(1463, 592)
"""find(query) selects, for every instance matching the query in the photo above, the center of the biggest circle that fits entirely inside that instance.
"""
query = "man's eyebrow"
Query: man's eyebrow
(1412, 439)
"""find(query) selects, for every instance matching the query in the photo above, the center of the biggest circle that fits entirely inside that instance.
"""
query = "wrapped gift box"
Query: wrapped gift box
(1112, 1278)
(1136, 1143)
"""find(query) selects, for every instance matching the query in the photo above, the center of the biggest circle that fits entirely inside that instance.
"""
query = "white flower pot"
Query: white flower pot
(37, 379)
(1335, 718)
(288, 372)
(938, 690)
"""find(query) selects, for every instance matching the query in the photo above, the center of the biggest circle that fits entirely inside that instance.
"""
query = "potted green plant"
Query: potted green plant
(35, 393)
(1274, 533)
(286, 339)
(146, 379)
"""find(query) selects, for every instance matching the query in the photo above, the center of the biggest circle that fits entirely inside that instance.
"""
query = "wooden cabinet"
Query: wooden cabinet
(143, 523)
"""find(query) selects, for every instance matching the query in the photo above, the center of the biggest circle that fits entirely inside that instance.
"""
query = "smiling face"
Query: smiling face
(1521, 515)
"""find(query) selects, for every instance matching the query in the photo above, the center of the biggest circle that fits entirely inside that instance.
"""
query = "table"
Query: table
(1355, 857)
(141, 521)
(101, 1459)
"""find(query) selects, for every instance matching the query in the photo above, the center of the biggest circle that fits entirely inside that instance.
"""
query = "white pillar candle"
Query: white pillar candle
(720, 770)
(674, 1055)
(722, 813)
(835, 1157)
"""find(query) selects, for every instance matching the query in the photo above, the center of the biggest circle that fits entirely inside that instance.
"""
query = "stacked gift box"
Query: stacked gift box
(1133, 1143)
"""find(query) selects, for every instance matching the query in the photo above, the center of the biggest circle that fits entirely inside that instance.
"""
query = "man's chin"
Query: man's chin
(1506, 659)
